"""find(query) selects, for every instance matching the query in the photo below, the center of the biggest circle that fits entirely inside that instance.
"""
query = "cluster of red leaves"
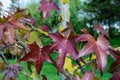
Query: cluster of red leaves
(64, 43)
(9, 23)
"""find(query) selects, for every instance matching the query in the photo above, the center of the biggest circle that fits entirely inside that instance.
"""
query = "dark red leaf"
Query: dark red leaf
(64, 45)
(45, 28)
(38, 55)
(116, 76)
(1, 30)
(114, 67)
(44, 77)
(115, 54)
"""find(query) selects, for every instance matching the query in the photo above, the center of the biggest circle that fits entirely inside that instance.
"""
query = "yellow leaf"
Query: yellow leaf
(68, 65)
(65, 1)
(92, 58)
(61, 28)
(32, 75)
(60, 18)
(118, 48)
(34, 37)
(16, 50)
(41, 31)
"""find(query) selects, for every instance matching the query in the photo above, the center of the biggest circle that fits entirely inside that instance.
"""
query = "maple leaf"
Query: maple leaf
(44, 28)
(13, 71)
(115, 66)
(38, 55)
(7, 25)
(2, 66)
(87, 76)
(64, 44)
(100, 47)
(115, 54)
(46, 7)
(100, 28)
(43, 77)
(115, 76)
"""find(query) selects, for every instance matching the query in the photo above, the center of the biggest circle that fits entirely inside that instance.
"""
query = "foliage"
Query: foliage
(63, 43)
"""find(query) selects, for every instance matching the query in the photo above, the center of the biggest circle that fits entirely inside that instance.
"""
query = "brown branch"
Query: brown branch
(80, 66)
(67, 75)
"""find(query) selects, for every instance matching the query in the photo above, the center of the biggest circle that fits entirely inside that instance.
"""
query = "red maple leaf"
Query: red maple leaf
(116, 76)
(46, 7)
(100, 47)
(115, 66)
(86, 76)
(38, 55)
(7, 25)
(100, 28)
(64, 44)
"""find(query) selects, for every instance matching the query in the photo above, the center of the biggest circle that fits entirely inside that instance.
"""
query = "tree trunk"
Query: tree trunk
(64, 13)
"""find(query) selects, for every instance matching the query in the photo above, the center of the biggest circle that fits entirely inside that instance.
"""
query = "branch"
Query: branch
(67, 75)
(80, 66)
(4, 58)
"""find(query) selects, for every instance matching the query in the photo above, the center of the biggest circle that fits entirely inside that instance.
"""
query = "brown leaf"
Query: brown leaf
(115, 54)
(2, 66)
(114, 66)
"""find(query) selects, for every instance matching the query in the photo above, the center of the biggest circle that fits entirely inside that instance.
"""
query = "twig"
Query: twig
(80, 66)
(3, 42)
(67, 75)
(2, 54)
(19, 42)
